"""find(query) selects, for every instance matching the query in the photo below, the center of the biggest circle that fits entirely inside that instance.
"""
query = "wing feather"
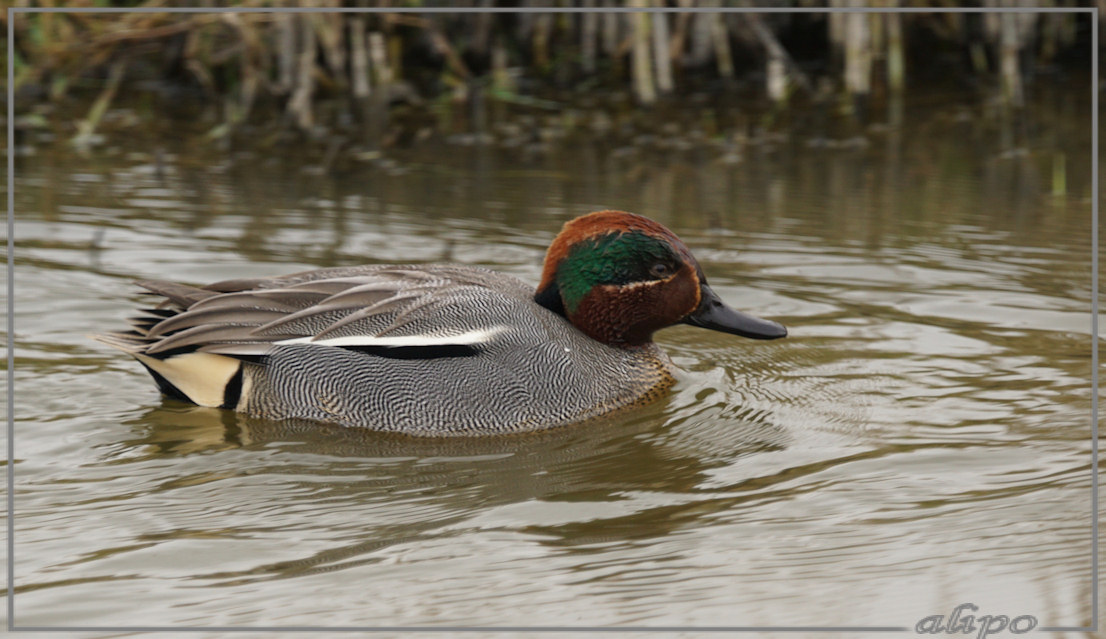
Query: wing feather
(378, 311)
(372, 308)
(204, 334)
(180, 294)
(225, 316)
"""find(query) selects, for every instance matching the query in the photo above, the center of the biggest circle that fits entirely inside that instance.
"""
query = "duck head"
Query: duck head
(619, 277)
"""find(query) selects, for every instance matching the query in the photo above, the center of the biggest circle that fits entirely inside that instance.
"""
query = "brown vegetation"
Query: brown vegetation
(320, 69)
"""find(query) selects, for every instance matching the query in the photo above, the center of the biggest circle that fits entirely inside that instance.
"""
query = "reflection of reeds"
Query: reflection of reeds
(236, 61)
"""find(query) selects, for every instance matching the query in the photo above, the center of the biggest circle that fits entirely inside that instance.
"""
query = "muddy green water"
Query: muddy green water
(921, 440)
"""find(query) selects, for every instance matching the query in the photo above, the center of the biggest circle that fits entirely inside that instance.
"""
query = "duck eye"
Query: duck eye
(660, 270)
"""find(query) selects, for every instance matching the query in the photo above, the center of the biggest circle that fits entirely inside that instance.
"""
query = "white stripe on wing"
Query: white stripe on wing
(471, 338)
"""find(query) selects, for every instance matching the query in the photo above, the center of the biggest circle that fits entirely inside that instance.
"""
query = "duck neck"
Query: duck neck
(590, 318)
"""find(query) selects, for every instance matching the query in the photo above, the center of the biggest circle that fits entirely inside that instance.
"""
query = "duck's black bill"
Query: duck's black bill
(715, 315)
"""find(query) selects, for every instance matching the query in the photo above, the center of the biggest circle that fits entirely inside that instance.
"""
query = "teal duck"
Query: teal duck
(440, 349)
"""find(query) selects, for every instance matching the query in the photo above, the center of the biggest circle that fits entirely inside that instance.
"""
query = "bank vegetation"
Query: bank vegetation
(319, 72)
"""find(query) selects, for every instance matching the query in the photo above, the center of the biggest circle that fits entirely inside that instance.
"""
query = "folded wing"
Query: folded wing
(195, 340)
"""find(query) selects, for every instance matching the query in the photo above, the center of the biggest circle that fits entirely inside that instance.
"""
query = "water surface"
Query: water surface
(920, 440)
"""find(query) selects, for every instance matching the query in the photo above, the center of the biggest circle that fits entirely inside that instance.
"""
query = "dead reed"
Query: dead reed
(295, 62)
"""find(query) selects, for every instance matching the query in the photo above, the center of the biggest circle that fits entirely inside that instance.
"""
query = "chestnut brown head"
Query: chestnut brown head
(619, 277)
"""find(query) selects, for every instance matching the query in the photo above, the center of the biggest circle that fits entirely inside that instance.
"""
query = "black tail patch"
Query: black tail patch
(165, 387)
(233, 392)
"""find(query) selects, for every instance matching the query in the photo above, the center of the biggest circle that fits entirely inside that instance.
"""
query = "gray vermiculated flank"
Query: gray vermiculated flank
(535, 370)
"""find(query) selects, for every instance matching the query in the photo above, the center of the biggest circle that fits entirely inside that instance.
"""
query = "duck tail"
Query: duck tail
(130, 342)
(185, 373)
